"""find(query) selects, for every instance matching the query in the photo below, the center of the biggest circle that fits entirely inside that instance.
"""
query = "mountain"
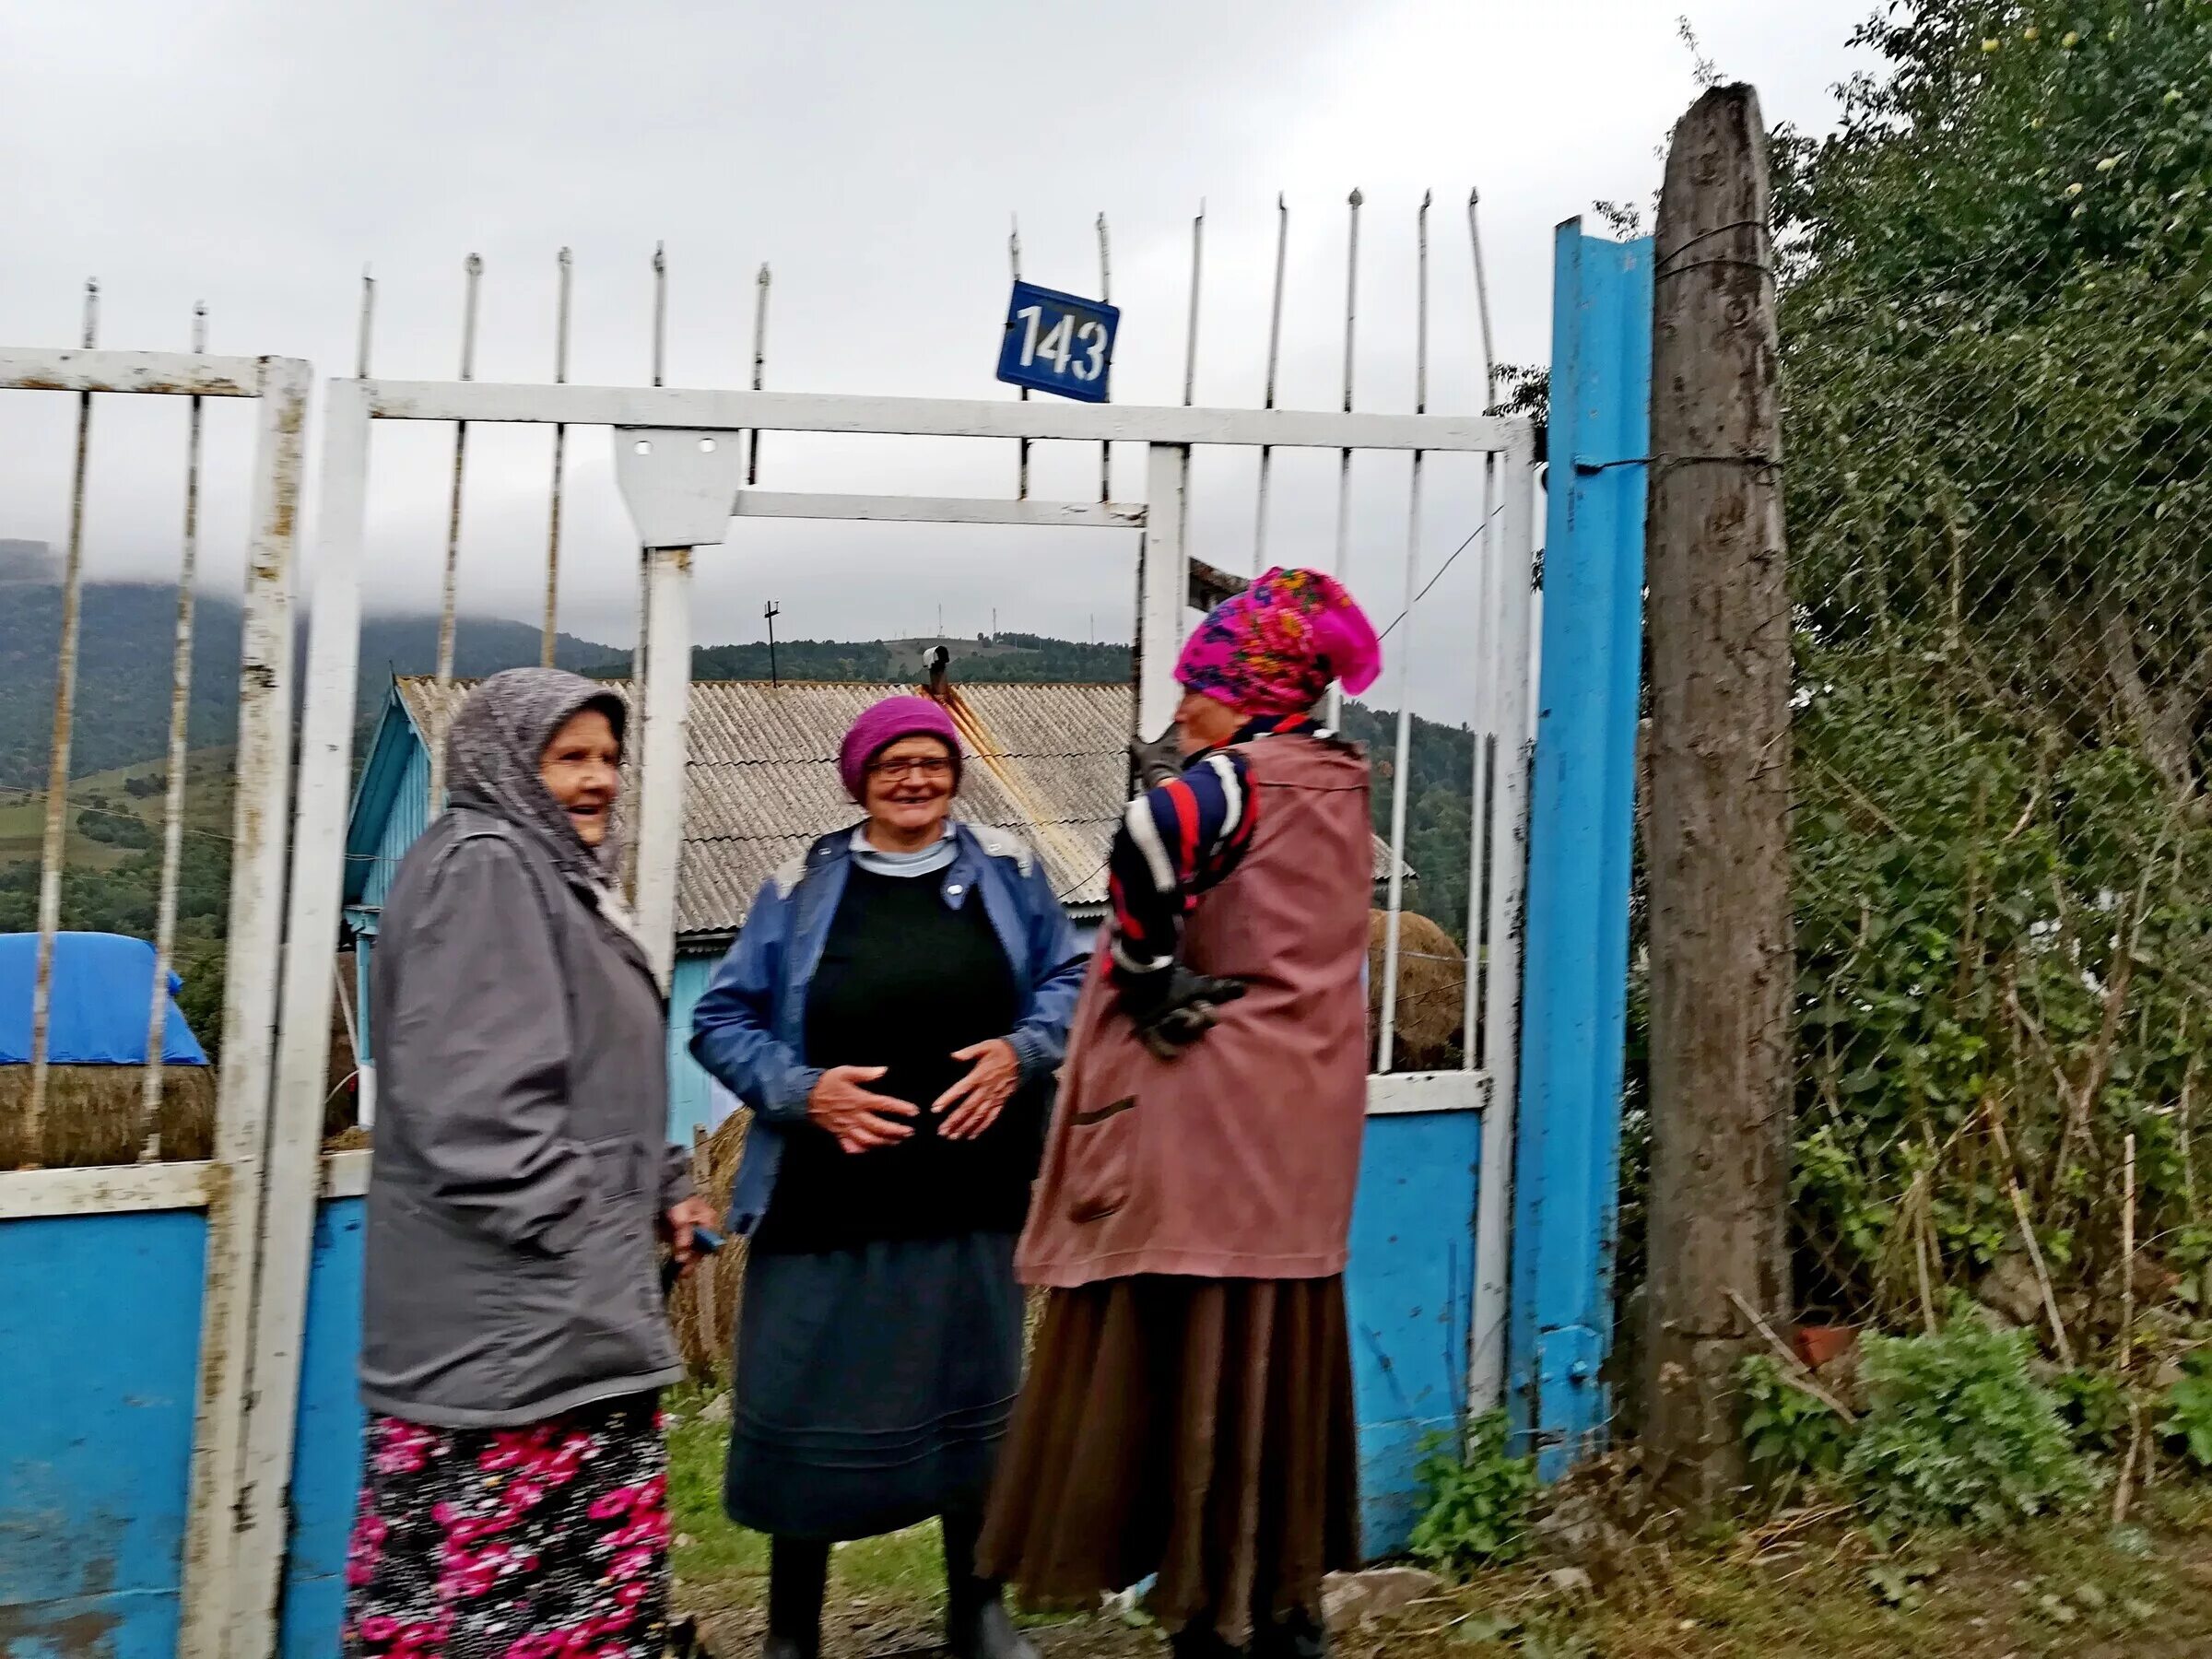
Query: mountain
(126, 642)
(113, 875)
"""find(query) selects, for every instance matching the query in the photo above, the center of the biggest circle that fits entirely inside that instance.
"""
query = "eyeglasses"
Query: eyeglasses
(934, 768)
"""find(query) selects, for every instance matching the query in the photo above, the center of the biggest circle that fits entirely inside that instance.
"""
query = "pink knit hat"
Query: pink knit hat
(882, 725)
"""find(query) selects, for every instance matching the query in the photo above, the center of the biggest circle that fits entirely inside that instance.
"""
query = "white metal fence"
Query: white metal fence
(688, 463)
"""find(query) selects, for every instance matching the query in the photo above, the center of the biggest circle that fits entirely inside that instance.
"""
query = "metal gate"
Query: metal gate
(1447, 1180)
(128, 1304)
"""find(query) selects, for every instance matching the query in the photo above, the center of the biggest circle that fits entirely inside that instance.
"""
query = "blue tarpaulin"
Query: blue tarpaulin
(98, 1007)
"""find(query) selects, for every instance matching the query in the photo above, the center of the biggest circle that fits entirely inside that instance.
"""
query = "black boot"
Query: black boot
(1199, 1641)
(1294, 1636)
(977, 1624)
(798, 1573)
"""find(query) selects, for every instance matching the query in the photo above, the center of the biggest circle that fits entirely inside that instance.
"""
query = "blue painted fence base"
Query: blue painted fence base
(1409, 1295)
(100, 1347)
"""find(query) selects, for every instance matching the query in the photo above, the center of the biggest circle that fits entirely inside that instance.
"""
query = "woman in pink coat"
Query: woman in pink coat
(1189, 1407)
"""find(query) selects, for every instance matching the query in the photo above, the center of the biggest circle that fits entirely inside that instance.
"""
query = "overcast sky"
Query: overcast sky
(258, 155)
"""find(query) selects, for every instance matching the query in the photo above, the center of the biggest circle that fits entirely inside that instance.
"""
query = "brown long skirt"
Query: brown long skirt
(1201, 1429)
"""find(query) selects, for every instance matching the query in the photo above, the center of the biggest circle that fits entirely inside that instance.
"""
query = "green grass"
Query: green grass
(207, 808)
(905, 1567)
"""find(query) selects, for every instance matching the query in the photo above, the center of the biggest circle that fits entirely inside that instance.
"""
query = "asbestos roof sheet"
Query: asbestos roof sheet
(1047, 762)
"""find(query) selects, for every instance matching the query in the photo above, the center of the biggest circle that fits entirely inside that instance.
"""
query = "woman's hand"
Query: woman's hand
(680, 1221)
(857, 1116)
(977, 1098)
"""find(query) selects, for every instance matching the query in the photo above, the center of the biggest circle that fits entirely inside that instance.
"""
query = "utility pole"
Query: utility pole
(1718, 849)
(771, 611)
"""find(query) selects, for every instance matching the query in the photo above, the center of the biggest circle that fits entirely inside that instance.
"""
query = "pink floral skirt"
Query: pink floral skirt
(548, 1541)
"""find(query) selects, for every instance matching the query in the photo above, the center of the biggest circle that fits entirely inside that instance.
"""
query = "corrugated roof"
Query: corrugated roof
(1048, 762)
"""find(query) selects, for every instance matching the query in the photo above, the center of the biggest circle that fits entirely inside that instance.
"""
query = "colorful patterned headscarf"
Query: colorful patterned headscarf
(1273, 648)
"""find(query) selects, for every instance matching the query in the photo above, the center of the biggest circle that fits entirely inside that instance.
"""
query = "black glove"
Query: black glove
(1173, 1009)
(1157, 762)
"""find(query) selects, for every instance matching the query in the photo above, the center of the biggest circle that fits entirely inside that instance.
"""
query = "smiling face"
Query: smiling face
(910, 790)
(582, 768)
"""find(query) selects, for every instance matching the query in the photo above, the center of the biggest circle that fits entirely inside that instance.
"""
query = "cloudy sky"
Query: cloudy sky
(258, 155)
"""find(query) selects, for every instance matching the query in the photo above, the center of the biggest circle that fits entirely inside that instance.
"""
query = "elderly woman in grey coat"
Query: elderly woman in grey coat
(514, 1343)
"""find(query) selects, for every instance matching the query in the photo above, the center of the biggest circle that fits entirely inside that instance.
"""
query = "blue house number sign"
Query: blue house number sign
(1057, 343)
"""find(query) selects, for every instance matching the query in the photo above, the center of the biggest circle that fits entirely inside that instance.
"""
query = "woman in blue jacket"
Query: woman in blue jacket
(893, 1012)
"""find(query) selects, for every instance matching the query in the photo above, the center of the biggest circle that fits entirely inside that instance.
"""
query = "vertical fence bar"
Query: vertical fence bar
(1499, 658)
(1275, 353)
(1021, 452)
(450, 595)
(631, 858)
(1190, 339)
(1508, 595)
(1486, 671)
(1402, 767)
(660, 313)
(172, 813)
(665, 694)
(53, 847)
(235, 1211)
(303, 1033)
(368, 323)
(1106, 296)
(1579, 834)
(752, 439)
(567, 265)
(1351, 322)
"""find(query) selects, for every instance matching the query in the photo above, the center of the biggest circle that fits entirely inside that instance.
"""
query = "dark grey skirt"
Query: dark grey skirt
(873, 1385)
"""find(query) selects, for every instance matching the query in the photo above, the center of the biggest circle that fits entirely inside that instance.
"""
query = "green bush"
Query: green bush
(1795, 1442)
(2188, 1416)
(1959, 1433)
(1477, 1512)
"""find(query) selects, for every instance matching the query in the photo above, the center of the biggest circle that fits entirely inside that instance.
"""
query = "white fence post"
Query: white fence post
(293, 1179)
(1163, 585)
(663, 694)
(234, 1211)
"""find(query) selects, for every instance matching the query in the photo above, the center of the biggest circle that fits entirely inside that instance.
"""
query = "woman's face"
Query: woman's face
(1203, 723)
(582, 766)
(909, 786)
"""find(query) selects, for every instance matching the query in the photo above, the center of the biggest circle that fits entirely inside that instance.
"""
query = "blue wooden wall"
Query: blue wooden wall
(1409, 1295)
(99, 1340)
(327, 1458)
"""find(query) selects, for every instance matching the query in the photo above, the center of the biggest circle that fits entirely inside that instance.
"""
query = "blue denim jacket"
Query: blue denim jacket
(750, 1028)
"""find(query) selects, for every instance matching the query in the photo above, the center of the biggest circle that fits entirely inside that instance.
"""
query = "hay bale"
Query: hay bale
(92, 1116)
(703, 1308)
(1432, 992)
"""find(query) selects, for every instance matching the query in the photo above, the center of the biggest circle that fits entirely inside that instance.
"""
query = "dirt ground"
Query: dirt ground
(1801, 1587)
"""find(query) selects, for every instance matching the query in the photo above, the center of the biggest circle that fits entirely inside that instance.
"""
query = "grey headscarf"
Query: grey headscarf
(493, 750)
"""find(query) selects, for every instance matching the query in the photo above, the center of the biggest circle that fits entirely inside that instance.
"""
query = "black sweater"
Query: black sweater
(904, 981)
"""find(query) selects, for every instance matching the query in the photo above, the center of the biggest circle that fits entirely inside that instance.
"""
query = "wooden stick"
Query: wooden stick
(2127, 1258)
(2035, 1251)
(1800, 1377)
(2125, 1492)
(1924, 1246)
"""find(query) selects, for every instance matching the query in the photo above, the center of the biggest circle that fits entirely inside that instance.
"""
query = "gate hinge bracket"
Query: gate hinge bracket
(678, 483)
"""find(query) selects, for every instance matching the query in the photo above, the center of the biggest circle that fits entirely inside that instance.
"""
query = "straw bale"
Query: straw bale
(1432, 990)
(92, 1116)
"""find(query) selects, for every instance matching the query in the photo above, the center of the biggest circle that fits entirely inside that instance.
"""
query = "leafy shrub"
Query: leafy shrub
(1795, 1440)
(2189, 1411)
(1959, 1433)
(1477, 1512)
(2093, 1406)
